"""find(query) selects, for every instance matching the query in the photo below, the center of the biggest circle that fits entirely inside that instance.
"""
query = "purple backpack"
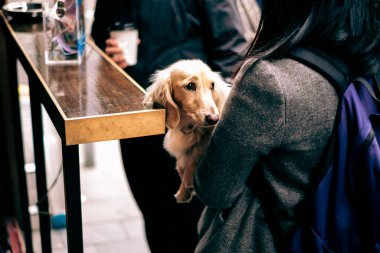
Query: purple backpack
(343, 214)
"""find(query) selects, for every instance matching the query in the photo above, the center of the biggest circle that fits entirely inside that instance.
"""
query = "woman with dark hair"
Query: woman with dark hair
(277, 122)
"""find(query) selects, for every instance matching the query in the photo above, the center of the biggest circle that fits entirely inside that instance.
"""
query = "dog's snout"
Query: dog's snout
(212, 119)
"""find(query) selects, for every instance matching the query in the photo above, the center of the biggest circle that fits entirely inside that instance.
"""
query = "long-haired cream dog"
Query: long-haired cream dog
(193, 97)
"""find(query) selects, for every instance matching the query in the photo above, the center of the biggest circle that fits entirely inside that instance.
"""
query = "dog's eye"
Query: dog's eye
(190, 86)
(212, 86)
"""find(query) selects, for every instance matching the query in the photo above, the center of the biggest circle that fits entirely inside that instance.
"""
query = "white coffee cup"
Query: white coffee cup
(127, 39)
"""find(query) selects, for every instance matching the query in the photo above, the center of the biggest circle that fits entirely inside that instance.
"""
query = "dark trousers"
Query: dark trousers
(170, 227)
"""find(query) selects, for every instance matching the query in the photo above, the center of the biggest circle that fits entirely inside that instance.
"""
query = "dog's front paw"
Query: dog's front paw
(184, 196)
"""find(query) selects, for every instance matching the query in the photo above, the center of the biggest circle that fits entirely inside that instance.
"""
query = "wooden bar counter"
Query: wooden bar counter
(91, 102)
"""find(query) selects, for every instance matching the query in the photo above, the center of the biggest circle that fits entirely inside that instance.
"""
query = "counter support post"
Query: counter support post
(71, 173)
(39, 159)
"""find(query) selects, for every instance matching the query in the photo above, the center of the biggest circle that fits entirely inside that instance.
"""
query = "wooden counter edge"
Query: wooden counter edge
(114, 126)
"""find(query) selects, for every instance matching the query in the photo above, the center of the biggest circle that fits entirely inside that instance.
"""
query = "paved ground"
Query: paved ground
(112, 222)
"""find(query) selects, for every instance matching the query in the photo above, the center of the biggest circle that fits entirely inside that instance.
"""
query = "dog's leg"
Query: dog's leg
(186, 190)
(191, 162)
(180, 170)
(188, 176)
(186, 166)
(184, 195)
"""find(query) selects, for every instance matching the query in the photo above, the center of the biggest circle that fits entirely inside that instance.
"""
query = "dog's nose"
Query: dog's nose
(212, 119)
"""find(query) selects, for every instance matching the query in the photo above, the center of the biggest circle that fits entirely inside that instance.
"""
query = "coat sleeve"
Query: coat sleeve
(224, 32)
(252, 124)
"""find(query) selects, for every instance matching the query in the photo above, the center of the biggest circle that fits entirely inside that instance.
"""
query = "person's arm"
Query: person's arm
(251, 125)
(224, 34)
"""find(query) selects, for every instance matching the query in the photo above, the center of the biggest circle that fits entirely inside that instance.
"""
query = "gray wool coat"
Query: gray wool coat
(273, 130)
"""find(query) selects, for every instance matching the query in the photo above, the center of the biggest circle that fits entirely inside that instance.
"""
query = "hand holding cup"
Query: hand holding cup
(122, 46)
(115, 52)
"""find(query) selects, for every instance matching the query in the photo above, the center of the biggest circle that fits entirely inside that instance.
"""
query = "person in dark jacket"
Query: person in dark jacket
(168, 31)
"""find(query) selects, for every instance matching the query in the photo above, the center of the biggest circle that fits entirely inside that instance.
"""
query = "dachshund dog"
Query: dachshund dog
(193, 97)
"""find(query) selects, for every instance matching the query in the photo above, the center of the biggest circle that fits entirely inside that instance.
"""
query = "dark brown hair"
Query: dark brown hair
(350, 28)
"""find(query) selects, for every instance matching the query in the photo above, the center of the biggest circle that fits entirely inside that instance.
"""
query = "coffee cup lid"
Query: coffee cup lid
(118, 26)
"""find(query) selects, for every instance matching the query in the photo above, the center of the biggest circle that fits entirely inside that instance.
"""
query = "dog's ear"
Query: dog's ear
(159, 95)
(172, 111)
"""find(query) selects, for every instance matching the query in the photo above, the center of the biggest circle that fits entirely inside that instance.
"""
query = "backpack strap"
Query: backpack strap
(330, 66)
(369, 87)
(377, 77)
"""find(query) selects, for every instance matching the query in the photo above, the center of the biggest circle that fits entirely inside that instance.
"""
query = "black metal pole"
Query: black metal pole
(39, 159)
(71, 174)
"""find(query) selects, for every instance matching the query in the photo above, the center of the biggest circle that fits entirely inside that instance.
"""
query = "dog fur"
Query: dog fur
(193, 96)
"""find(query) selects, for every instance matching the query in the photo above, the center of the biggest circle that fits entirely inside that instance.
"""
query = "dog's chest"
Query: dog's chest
(178, 144)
